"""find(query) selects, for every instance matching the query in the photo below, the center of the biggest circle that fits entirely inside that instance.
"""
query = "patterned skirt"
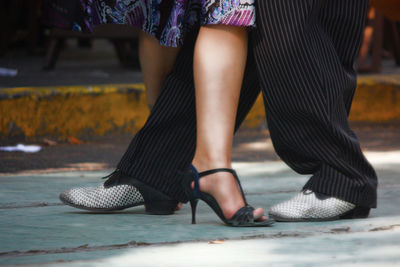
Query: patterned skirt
(168, 20)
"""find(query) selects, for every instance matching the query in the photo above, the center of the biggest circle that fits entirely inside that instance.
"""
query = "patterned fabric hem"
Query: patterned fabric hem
(167, 21)
(229, 12)
(237, 18)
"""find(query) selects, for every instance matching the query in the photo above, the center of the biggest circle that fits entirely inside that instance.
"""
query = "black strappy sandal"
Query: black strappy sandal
(242, 218)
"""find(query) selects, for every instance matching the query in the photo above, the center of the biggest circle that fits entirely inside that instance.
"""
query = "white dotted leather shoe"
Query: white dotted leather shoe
(312, 206)
(119, 192)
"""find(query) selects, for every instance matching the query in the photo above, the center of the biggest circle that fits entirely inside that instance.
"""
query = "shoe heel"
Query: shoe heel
(357, 213)
(163, 207)
(193, 205)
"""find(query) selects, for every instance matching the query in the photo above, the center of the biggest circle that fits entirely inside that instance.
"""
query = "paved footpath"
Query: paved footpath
(36, 229)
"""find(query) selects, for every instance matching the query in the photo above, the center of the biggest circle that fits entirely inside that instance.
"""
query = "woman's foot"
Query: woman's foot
(224, 188)
(179, 206)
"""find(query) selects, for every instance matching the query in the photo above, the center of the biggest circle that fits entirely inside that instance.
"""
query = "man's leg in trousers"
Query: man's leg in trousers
(305, 52)
(162, 150)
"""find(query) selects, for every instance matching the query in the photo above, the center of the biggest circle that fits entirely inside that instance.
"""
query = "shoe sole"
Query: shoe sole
(268, 222)
(356, 213)
(166, 207)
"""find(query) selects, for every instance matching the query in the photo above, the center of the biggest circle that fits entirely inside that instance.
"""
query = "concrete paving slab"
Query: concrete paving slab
(36, 229)
(354, 249)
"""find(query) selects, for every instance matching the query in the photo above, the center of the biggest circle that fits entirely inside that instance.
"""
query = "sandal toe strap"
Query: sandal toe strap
(243, 216)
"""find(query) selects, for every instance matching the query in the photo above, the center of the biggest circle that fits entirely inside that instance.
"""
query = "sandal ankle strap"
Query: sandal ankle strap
(233, 172)
(208, 172)
(205, 173)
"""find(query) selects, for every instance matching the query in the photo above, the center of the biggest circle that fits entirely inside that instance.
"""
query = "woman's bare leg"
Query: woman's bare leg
(156, 62)
(219, 63)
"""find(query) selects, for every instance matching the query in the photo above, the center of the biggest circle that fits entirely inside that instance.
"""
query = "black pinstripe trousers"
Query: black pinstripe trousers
(302, 59)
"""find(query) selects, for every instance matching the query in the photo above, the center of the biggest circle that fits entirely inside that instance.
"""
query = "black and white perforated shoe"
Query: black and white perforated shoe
(117, 193)
(311, 206)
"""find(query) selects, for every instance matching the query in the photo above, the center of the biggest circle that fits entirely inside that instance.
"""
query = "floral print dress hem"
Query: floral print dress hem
(168, 20)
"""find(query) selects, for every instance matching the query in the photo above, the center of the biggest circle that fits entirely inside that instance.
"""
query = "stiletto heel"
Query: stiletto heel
(193, 205)
(243, 217)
